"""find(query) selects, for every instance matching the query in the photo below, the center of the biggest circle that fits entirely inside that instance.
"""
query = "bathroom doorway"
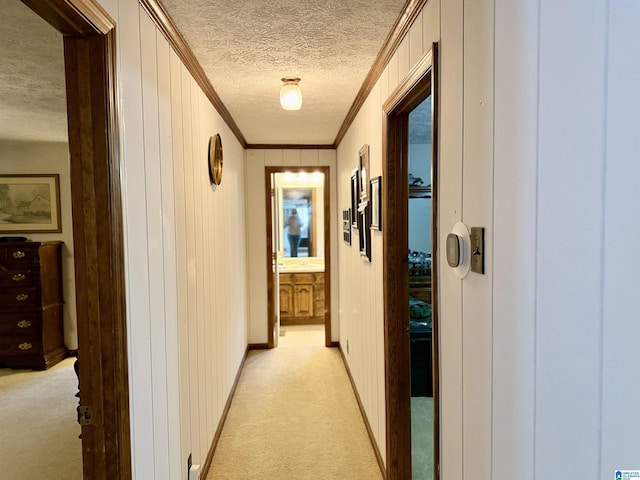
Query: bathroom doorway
(299, 257)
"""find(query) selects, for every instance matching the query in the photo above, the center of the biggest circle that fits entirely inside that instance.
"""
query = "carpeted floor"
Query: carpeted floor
(295, 416)
(422, 438)
(38, 424)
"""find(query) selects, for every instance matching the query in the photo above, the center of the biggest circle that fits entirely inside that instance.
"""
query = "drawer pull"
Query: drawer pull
(25, 346)
(24, 324)
(18, 254)
(21, 297)
(18, 277)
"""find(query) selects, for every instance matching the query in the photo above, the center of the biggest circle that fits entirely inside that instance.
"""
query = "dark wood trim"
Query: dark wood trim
(419, 84)
(90, 71)
(165, 23)
(334, 345)
(258, 346)
(73, 17)
(410, 12)
(435, 278)
(273, 146)
(204, 473)
(372, 438)
(327, 247)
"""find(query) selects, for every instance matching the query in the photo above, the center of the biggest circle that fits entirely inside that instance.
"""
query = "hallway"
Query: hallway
(295, 416)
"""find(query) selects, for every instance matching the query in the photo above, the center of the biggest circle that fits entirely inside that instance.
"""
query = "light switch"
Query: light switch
(477, 249)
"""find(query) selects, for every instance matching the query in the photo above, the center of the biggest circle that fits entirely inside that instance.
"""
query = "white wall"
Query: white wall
(185, 252)
(256, 161)
(38, 158)
(361, 300)
(537, 113)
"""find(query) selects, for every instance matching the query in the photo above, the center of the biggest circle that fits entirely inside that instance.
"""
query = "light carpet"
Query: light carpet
(422, 438)
(38, 424)
(295, 416)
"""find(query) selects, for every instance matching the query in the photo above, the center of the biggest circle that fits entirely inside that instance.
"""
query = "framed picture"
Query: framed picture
(364, 233)
(363, 168)
(30, 203)
(376, 204)
(346, 225)
(355, 194)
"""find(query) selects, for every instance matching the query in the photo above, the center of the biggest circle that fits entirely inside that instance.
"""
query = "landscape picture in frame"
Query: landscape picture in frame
(30, 203)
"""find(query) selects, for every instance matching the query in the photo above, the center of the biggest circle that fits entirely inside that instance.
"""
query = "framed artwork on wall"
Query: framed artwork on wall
(376, 203)
(364, 233)
(30, 203)
(346, 225)
(363, 168)
(355, 194)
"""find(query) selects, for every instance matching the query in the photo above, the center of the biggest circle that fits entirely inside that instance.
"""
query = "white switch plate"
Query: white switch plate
(194, 472)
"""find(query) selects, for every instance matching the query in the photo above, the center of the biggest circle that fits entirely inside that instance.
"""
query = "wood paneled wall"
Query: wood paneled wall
(360, 297)
(256, 161)
(537, 363)
(185, 252)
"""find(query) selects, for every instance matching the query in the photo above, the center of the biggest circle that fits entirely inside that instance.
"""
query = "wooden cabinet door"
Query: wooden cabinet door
(286, 300)
(303, 300)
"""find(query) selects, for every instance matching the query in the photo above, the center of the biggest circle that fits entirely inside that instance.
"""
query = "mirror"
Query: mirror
(301, 214)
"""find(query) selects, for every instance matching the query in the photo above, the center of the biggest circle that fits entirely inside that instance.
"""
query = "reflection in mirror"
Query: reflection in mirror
(301, 215)
(420, 313)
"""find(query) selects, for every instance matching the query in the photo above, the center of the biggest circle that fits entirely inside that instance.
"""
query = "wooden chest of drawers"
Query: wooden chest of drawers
(31, 331)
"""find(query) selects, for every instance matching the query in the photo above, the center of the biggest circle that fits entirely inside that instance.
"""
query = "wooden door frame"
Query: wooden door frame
(92, 113)
(419, 83)
(271, 309)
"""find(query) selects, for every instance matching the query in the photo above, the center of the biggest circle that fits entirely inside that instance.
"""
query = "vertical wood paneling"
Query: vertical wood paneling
(190, 262)
(514, 294)
(181, 257)
(477, 177)
(394, 76)
(157, 326)
(170, 267)
(404, 62)
(309, 158)
(621, 333)
(136, 241)
(257, 228)
(430, 24)
(514, 235)
(291, 157)
(569, 297)
(415, 39)
(450, 211)
(273, 158)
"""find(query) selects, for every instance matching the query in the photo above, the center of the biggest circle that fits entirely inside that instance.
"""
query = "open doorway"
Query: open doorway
(410, 286)
(298, 255)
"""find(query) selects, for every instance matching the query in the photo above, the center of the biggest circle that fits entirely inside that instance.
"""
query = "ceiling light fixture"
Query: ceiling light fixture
(290, 94)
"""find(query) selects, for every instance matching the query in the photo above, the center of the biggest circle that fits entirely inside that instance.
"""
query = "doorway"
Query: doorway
(90, 66)
(410, 275)
(298, 252)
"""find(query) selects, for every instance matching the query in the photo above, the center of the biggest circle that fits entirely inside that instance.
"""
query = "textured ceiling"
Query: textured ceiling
(246, 47)
(32, 91)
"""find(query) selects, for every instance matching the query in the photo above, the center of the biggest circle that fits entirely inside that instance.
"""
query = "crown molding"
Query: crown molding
(274, 146)
(163, 21)
(410, 12)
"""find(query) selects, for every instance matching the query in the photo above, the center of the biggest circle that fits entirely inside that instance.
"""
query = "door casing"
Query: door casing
(92, 112)
(419, 84)
(271, 290)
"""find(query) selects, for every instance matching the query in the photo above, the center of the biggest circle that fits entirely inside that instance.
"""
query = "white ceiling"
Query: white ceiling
(244, 46)
(32, 91)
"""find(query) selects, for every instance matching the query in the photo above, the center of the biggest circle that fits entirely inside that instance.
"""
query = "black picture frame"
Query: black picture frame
(355, 195)
(346, 225)
(364, 232)
(376, 203)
